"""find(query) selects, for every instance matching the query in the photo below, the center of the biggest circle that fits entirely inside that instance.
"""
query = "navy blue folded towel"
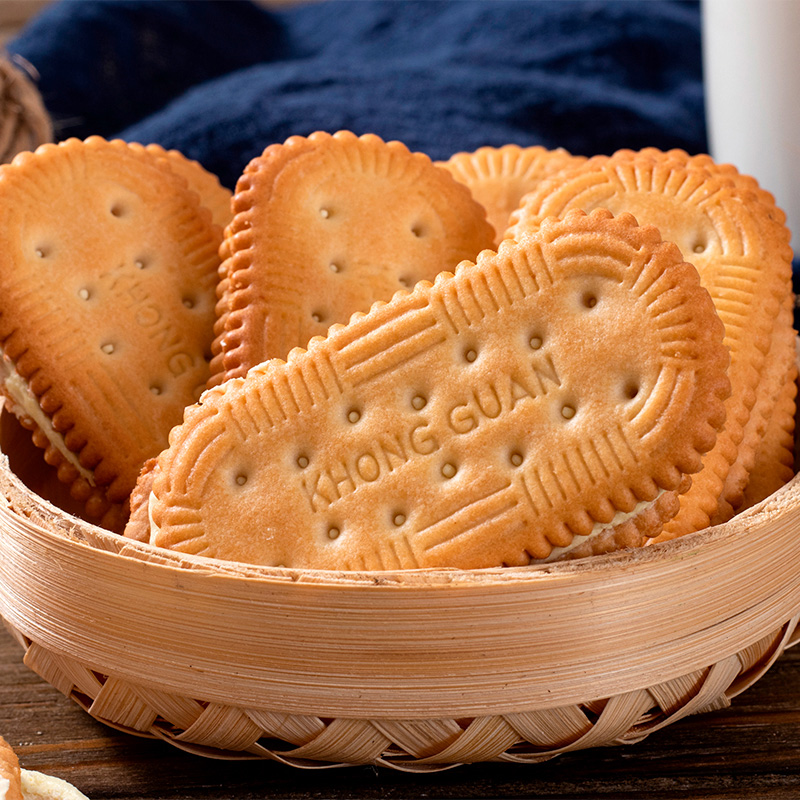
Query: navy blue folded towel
(220, 80)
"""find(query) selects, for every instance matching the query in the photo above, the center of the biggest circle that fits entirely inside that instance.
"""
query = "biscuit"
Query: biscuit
(324, 226)
(739, 245)
(779, 365)
(213, 195)
(107, 287)
(705, 161)
(25, 784)
(138, 523)
(553, 392)
(38, 786)
(499, 177)
(774, 462)
(221, 311)
(10, 786)
(777, 378)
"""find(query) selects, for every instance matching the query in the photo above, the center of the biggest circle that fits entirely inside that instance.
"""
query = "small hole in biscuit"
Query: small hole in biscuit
(118, 210)
(449, 469)
(302, 461)
(589, 300)
(42, 252)
(140, 263)
(318, 316)
(699, 246)
(241, 479)
(188, 302)
(353, 415)
(404, 281)
(155, 389)
(516, 458)
(107, 348)
(418, 231)
(535, 342)
(333, 532)
(324, 213)
(568, 411)
(631, 389)
(334, 267)
(418, 402)
(84, 294)
(398, 519)
(470, 354)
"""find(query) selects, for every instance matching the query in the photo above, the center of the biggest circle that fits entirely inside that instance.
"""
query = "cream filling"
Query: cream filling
(5, 785)
(25, 400)
(599, 527)
(37, 786)
(154, 529)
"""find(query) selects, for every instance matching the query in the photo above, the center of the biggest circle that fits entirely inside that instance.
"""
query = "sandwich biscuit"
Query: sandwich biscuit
(499, 177)
(107, 286)
(323, 227)
(774, 462)
(552, 396)
(740, 246)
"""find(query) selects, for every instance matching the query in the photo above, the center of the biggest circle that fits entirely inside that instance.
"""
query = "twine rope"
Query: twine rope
(24, 121)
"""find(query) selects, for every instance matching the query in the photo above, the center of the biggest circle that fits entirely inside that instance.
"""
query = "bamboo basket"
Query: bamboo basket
(417, 670)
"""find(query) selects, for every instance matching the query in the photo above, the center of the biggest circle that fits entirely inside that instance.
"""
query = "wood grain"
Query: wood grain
(751, 750)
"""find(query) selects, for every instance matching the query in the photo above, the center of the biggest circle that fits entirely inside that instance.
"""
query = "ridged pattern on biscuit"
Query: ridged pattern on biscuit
(730, 171)
(636, 531)
(779, 364)
(483, 420)
(96, 504)
(774, 460)
(740, 247)
(107, 280)
(779, 370)
(499, 177)
(326, 225)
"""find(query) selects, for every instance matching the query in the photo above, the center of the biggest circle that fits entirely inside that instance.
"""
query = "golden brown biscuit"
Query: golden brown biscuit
(25, 784)
(740, 247)
(557, 391)
(107, 289)
(778, 376)
(779, 364)
(705, 161)
(10, 787)
(138, 523)
(774, 462)
(499, 177)
(213, 195)
(326, 225)
(221, 310)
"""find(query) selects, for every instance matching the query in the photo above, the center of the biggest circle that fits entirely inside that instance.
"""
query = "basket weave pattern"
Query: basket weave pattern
(417, 670)
(217, 730)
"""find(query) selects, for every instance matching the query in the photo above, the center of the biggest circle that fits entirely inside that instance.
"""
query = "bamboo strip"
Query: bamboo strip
(361, 650)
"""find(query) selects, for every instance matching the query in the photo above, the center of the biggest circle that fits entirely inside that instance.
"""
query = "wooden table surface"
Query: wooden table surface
(751, 750)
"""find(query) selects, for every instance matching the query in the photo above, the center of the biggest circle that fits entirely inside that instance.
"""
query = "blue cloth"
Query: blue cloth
(222, 80)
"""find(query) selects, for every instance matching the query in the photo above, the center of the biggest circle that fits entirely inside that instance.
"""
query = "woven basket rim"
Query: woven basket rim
(54, 521)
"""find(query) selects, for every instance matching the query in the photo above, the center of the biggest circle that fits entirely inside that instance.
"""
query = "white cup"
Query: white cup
(751, 63)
